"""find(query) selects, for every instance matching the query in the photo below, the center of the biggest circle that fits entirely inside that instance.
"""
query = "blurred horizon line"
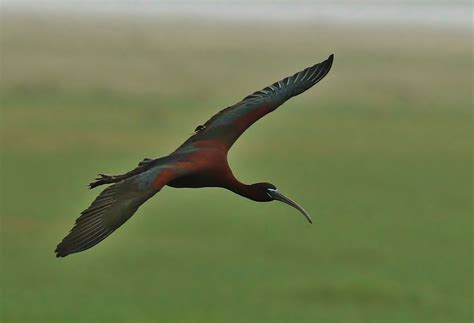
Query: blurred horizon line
(455, 15)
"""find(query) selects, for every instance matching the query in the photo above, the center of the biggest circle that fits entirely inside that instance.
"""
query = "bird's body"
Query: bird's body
(201, 161)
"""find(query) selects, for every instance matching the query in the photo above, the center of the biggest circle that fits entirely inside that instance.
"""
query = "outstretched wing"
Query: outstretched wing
(227, 125)
(113, 207)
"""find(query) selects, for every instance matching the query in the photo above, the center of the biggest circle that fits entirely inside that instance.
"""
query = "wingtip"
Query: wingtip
(61, 251)
(330, 59)
(58, 252)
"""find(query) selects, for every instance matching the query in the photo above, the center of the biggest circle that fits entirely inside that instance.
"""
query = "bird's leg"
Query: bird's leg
(109, 179)
(105, 179)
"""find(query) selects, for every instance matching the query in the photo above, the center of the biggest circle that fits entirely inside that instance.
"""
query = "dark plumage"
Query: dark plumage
(201, 161)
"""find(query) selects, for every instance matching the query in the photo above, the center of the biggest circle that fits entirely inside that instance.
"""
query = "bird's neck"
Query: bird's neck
(251, 192)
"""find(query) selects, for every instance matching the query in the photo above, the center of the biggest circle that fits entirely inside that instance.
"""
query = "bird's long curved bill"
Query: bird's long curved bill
(282, 198)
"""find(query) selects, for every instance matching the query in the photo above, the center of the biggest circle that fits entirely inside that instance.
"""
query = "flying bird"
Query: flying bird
(201, 161)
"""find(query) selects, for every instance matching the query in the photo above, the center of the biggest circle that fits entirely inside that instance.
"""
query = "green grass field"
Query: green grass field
(379, 153)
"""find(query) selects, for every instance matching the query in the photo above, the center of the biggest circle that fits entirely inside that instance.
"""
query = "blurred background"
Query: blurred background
(379, 152)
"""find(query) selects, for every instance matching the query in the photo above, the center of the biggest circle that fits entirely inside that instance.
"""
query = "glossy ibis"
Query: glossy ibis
(201, 161)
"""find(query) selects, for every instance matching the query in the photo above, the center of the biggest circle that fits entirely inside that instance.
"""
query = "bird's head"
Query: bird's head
(268, 192)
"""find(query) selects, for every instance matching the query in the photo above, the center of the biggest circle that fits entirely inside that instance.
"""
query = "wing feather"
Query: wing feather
(228, 124)
(112, 208)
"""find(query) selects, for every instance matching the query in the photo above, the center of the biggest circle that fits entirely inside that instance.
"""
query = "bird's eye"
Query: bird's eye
(270, 191)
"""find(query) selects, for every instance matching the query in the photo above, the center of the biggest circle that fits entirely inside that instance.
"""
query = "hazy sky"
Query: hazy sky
(455, 14)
